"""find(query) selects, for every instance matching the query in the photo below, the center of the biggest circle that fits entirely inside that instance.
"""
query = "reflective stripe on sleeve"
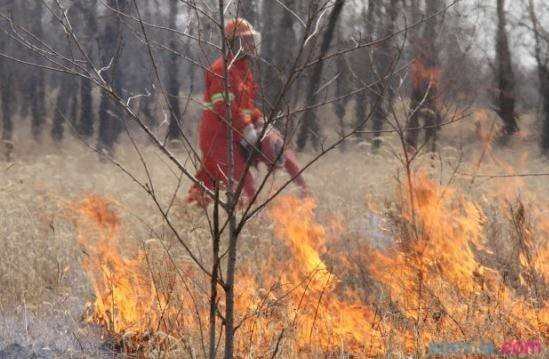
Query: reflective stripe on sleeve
(220, 96)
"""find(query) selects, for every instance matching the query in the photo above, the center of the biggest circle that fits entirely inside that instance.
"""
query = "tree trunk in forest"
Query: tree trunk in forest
(412, 131)
(284, 50)
(392, 51)
(505, 101)
(73, 107)
(384, 61)
(147, 83)
(432, 109)
(6, 93)
(37, 85)
(342, 88)
(61, 108)
(248, 10)
(541, 55)
(310, 129)
(146, 109)
(67, 90)
(425, 79)
(544, 92)
(268, 48)
(172, 79)
(379, 68)
(112, 43)
(85, 123)
(361, 99)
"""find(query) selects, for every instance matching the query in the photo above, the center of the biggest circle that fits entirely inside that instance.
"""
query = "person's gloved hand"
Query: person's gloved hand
(249, 135)
(259, 124)
(248, 141)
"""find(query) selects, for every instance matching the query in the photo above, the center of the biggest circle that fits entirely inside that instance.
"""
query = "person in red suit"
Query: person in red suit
(244, 117)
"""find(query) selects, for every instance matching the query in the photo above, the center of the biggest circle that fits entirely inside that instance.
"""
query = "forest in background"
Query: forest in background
(468, 53)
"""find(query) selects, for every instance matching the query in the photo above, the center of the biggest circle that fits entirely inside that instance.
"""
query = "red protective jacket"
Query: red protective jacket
(213, 127)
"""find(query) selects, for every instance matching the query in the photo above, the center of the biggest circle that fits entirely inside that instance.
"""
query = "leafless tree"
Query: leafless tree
(6, 87)
(505, 102)
(310, 129)
(541, 54)
(425, 76)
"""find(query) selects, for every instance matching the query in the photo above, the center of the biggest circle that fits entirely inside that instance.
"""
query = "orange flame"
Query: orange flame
(131, 300)
(124, 293)
(439, 282)
(325, 319)
(433, 283)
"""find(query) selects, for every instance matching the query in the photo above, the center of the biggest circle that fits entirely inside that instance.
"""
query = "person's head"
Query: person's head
(243, 40)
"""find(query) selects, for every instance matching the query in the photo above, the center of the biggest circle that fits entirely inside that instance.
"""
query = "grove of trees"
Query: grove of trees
(447, 41)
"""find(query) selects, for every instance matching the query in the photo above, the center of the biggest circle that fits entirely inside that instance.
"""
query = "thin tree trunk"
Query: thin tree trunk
(386, 58)
(393, 14)
(6, 88)
(63, 102)
(505, 102)
(425, 79)
(174, 129)
(268, 47)
(216, 237)
(432, 62)
(379, 68)
(61, 108)
(86, 121)
(544, 91)
(145, 108)
(231, 210)
(73, 107)
(361, 99)
(340, 107)
(147, 81)
(412, 131)
(85, 124)
(310, 129)
(542, 60)
(248, 10)
(37, 85)
(24, 103)
(110, 115)
(230, 284)
(284, 50)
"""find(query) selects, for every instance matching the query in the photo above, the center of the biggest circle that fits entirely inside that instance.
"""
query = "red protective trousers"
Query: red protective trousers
(214, 127)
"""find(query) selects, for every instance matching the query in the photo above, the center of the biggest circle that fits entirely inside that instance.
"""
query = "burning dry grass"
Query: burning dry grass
(353, 272)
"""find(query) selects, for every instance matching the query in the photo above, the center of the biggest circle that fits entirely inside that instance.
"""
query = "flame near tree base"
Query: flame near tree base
(432, 285)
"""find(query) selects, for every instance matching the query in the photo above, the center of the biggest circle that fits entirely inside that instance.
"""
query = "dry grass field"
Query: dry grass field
(481, 252)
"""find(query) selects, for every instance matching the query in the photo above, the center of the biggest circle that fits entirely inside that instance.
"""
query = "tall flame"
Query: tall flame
(124, 290)
(325, 317)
